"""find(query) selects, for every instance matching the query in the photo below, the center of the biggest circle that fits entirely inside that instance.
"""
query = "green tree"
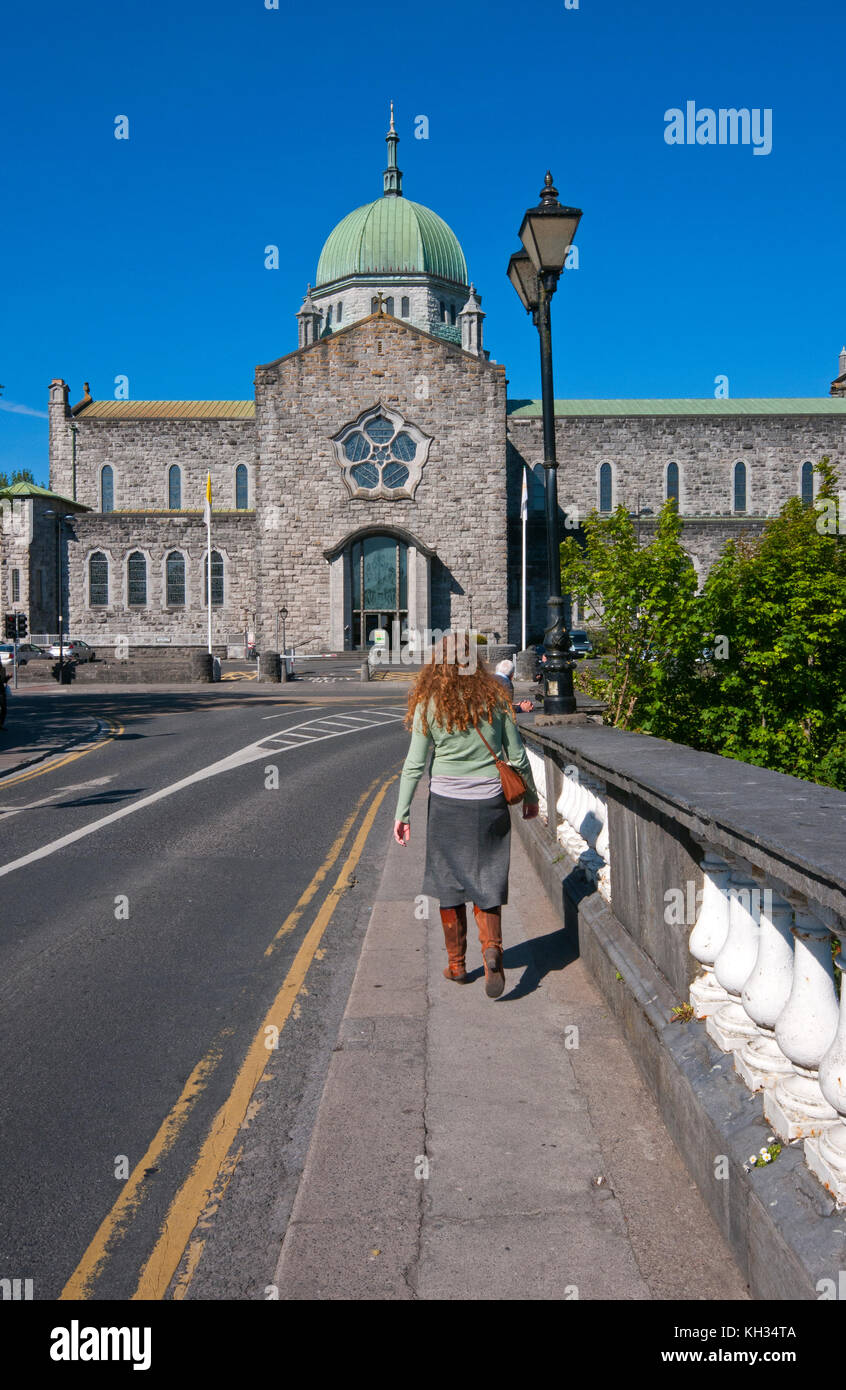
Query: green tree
(19, 475)
(645, 598)
(778, 697)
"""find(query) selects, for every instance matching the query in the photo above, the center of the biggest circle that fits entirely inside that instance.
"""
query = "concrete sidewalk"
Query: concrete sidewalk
(467, 1148)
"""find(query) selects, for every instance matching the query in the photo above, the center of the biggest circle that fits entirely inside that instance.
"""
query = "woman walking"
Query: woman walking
(465, 718)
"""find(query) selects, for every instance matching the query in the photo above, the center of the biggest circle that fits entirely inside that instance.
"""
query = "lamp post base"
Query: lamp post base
(558, 696)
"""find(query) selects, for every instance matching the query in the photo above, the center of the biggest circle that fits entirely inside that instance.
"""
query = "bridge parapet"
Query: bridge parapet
(723, 886)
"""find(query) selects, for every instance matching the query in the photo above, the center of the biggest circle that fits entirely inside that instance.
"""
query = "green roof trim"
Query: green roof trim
(18, 490)
(750, 405)
(392, 235)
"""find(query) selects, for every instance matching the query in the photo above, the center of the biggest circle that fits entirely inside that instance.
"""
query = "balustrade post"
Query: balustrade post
(730, 1026)
(825, 1154)
(709, 935)
(760, 1061)
(805, 1029)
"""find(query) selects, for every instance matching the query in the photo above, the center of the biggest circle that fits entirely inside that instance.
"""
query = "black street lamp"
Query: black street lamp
(547, 233)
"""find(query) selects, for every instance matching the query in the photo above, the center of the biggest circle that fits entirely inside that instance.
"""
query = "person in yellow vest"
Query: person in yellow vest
(461, 715)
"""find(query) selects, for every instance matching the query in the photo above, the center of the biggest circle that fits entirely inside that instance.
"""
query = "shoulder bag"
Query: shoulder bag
(513, 786)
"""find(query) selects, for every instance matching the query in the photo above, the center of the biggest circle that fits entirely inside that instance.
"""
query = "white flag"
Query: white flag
(524, 499)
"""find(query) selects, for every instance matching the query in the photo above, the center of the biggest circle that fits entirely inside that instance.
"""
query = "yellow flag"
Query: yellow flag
(208, 497)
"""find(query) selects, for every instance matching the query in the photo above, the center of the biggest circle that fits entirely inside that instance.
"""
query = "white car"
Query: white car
(71, 650)
(7, 655)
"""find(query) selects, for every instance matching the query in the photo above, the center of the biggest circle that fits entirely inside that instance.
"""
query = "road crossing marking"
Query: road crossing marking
(252, 752)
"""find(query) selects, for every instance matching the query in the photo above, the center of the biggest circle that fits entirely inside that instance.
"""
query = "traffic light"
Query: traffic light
(23, 629)
(11, 625)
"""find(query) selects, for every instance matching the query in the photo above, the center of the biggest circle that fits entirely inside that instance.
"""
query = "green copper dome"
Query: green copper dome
(392, 236)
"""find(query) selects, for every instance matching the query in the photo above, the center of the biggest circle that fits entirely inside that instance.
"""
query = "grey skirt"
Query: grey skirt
(468, 851)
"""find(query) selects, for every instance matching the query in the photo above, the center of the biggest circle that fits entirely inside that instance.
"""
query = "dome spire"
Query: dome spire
(392, 177)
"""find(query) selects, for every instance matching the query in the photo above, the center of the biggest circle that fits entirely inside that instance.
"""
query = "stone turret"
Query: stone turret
(838, 386)
(61, 438)
(470, 319)
(308, 322)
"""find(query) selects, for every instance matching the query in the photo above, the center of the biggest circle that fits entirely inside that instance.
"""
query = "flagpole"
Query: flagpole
(208, 558)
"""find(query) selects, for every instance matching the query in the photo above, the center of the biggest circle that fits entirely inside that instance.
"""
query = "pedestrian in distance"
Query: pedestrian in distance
(462, 716)
(505, 672)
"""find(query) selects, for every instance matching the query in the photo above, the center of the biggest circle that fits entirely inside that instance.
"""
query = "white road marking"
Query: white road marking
(5, 812)
(252, 752)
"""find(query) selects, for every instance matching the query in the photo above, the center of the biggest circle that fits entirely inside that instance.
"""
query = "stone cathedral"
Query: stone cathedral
(376, 475)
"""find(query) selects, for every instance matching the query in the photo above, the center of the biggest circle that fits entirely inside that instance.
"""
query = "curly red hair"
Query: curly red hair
(460, 696)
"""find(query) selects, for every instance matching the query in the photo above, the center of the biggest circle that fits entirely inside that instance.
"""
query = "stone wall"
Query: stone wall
(141, 451)
(706, 448)
(155, 535)
(639, 449)
(305, 398)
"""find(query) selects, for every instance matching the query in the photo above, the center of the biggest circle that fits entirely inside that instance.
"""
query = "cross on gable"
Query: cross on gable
(381, 301)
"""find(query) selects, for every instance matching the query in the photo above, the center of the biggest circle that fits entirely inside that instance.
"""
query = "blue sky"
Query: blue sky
(251, 126)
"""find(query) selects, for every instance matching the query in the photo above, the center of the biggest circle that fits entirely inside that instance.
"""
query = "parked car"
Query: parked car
(7, 655)
(31, 652)
(580, 642)
(2, 696)
(72, 651)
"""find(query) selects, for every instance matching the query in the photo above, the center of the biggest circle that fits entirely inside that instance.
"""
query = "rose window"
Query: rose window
(381, 455)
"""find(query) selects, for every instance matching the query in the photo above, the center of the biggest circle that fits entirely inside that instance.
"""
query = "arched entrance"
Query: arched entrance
(378, 576)
(379, 586)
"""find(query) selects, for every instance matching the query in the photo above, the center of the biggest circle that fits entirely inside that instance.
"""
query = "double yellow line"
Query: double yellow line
(51, 764)
(200, 1193)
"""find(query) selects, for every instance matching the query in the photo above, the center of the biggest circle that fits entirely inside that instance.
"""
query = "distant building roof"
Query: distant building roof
(750, 405)
(35, 490)
(173, 410)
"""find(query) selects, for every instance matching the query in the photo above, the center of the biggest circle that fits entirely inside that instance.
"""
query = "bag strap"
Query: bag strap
(497, 758)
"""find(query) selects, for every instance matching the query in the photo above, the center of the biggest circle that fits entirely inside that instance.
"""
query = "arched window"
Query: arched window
(389, 305)
(98, 580)
(404, 306)
(452, 314)
(673, 483)
(216, 580)
(605, 489)
(107, 488)
(136, 574)
(16, 586)
(175, 580)
(740, 487)
(443, 312)
(340, 312)
(174, 487)
(242, 488)
(374, 304)
(807, 484)
(329, 316)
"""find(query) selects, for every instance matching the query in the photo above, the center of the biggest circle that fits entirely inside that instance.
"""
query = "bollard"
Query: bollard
(365, 670)
(269, 666)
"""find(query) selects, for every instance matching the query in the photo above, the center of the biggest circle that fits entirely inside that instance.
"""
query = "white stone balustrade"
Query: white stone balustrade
(730, 1026)
(825, 1154)
(709, 935)
(805, 1029)
(538, 766)
(582, 826)
(760, 1061)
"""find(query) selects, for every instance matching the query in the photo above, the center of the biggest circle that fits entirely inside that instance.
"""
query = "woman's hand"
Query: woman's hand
(402, 832)
(529, 811)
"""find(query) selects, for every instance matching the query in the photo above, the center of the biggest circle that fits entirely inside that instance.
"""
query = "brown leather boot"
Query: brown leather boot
(489, 922)
(454, 921)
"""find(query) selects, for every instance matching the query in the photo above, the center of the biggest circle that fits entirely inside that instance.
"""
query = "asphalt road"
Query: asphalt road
(141, 898)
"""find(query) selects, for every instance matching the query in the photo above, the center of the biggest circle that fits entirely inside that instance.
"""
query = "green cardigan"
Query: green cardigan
(460, 754)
